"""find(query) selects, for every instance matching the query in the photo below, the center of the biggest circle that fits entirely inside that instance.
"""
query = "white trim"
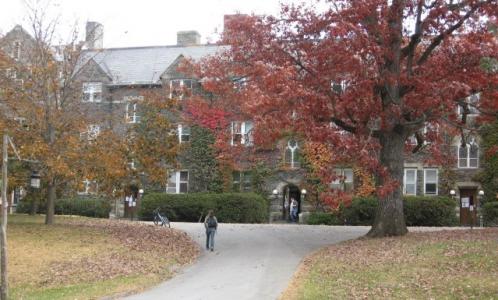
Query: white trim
(405, 182)
(425, 181)
(129, 117)
(245, 132)
(175, 178)
(181, 133)
(467, 158)
(182, 87)
(92, 89)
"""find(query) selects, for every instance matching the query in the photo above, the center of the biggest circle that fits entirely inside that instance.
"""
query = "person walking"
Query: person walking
(211, 225)
(293, 210)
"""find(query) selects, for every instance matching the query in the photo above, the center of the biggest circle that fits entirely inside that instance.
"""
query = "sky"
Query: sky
(137, 22)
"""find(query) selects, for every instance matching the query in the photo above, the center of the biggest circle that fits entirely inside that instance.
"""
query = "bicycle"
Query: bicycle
(160, 219)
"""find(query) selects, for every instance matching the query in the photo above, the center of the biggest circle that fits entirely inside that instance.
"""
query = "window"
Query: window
(180, 88)
(344, 180)
(339, 87)
(292, 154)
(92, 132)
(183, 133)
(242, 181)
(430, 181)
(241, 133)
(132, 115)
(131, 165)
(11, 73)
(92, 92)
(177, 182)
(88, 187)
(468, 155)
(472, 102)
(410, 182)
(16, 50)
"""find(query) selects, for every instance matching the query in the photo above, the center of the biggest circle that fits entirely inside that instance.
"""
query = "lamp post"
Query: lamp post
(480, 195)
(35, 182)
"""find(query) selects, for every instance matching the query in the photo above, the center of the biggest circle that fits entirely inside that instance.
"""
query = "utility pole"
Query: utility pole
(5, 203)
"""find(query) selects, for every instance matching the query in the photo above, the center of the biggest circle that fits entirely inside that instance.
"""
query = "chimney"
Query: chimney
(188, 38)
(94, 35)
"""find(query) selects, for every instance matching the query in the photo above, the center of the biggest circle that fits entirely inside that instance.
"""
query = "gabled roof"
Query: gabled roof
(143, 65)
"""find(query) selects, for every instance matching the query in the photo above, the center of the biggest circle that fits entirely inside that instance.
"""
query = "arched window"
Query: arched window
(292, 154)
(468, 155)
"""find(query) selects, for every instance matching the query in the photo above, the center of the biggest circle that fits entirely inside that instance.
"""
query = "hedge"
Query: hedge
(490, 213)
(228, 207)
(419, 211)
(95, 207)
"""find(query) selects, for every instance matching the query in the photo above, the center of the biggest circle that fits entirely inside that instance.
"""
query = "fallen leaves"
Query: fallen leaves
(430, 265)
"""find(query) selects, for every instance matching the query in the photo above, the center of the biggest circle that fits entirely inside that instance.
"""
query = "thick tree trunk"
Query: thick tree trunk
(390, 219)
(49, 217)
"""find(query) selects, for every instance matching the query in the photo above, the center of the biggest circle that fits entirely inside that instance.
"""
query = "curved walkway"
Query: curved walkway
(249, 261)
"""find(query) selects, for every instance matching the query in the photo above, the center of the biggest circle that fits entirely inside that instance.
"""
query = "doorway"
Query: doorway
(468, 207)
(290, 191)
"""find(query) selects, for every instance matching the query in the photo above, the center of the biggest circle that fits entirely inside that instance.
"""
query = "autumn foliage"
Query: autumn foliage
(360, 77)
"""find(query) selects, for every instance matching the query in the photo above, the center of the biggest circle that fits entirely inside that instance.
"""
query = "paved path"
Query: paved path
(249, 261)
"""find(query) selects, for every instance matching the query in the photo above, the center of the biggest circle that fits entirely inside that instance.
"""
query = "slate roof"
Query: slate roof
(143, 65)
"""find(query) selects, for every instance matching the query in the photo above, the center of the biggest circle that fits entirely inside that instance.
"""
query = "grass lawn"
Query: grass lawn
(83, 258)
(439, 265)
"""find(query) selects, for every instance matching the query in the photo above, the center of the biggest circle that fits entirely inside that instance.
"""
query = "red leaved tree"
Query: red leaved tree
(359, 76)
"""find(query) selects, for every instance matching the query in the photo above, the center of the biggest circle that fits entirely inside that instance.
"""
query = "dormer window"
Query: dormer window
(180, 88)
(92, 92)
(241, 133)
(16, 50)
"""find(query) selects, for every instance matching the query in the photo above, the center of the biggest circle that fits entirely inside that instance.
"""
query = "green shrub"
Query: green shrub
(360, 212)
(419, 211)
(429, 211)
(490, 213)
(323, 218)
(228, 207)
(95, 207)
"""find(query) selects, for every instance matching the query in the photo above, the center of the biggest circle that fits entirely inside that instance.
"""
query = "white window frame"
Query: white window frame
(343, 84)
(405, 182)
(467, 158)
(131, 115)
(131, 165)
(92, 89)
(245, 132)
(176, 176)
(87, 185)
(16, 50)
(183, 87)
(181, 133)
(342, 179)
(425, 181)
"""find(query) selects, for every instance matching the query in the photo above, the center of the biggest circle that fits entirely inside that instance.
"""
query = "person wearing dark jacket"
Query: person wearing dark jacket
(211, 225)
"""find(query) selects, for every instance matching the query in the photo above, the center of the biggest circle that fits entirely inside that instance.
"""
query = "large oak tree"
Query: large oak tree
(360, 76)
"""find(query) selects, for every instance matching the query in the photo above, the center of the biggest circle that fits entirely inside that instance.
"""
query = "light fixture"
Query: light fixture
(275, 192)
(452, 192)
(35, 180)
(141, 191)
(303, 191)
(481, 193)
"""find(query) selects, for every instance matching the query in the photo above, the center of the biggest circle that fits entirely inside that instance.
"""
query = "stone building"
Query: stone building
(113, 81)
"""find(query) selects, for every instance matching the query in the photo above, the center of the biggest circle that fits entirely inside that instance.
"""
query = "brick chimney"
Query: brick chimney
(94, 35)
(188, 38)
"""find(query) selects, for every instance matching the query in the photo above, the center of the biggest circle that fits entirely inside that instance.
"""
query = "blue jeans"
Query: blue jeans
(210, 238)
(294, 215)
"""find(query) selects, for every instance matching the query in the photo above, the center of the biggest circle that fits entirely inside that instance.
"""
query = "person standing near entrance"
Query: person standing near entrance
(211, 225)
(293, 210)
